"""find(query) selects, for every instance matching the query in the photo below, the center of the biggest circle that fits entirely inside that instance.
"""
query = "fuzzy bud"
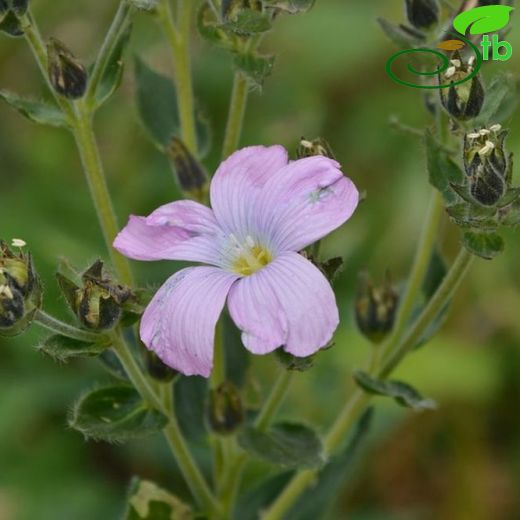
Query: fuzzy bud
(422, 14)
(225, 411)
(191, 175)
(487, 164)
(375, 309)
(67, 75)
(157, 369)
(20, 290)
(464, 101)
(97, 304)
(318, 146)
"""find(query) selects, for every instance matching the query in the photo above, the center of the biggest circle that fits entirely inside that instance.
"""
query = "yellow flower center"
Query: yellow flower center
(251, 258)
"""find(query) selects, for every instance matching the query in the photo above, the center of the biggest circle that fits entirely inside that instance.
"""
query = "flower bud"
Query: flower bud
(308, 148)
(67, 75)
(487, 164)
(463, 101)
(157, 369)
(98, 303)
(375, 309)
(191, 175)
(20, 290)
(422, 13)
(225, 412)
(232, 8)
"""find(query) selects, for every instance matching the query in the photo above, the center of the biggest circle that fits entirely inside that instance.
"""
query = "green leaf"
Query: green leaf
(290, 362)
(501, 100)
(190, 404)
(480, 20)
(211, 29)
(402, 36)
(257, 68)
(403, 393)
(435, 275)
(473, 216)
(442, 169)
(248, 22)
(291, 6)
(114, 70)
(10, 25)
(511, 215)
(485, 245)
(36, 111)
(62, 348)
(157, 105)
(512, 195)
(332, 267)
(285, 444)
(147, 501)
(115, 414)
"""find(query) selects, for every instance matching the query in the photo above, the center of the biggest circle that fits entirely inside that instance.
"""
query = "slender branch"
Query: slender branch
(93, 167)
(59, 327)
(275, 400)
(178, 37)
(237, 109)
(118, 25)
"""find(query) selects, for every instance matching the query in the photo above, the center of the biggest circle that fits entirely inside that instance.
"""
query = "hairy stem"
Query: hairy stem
(237, 109)
(178, 36)
(59, 327)
(118, 25)
(93, 168)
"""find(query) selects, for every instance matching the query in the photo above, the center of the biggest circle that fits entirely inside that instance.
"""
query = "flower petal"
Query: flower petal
(238, 181)
(183, 230)
(179, 323)
(306, 200)
(289, 303)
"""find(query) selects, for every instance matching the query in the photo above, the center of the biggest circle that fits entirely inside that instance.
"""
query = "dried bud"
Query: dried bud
(20, 289)
(463, 101)
(375, 309)
(487, 165)
(422, 13)
(68, 76)
(98, 303)
(156, 368)
(191, 175)
(225, 411)
(308, 148)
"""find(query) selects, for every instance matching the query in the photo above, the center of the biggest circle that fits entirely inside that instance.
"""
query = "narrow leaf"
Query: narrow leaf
(485, 19)
(36, 111)
(63, 349)
(403, 393)
(285, 444)
(257, 68)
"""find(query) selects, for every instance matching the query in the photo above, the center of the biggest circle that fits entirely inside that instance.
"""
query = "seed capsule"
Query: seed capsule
(67, 75)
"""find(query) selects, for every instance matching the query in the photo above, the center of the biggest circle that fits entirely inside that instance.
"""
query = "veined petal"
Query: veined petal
(238, 181)
(288, 303)
(183, 230)
(307, 200)
(179, 323)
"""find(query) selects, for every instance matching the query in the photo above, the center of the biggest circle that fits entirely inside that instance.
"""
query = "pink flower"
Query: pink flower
(265, 209)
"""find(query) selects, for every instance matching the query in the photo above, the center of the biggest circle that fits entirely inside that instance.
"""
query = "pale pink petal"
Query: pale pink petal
(288, 303)
(238, 180)
(183, 230)
(306, 200)
(179, 323)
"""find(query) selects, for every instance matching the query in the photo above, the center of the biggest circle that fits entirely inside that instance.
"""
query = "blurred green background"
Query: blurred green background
(462, 461)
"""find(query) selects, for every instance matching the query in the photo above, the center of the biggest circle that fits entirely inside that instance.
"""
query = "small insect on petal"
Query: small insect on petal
(18, 242)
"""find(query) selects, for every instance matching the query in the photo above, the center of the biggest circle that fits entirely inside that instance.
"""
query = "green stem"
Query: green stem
(118, 24)
(275, 400)
(427, 241)
(89, 153)
(237, 109)
(178, 36)
(360, 399)
(59, 327)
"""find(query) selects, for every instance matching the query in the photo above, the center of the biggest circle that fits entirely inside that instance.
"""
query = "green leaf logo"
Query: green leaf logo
(482, 20)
